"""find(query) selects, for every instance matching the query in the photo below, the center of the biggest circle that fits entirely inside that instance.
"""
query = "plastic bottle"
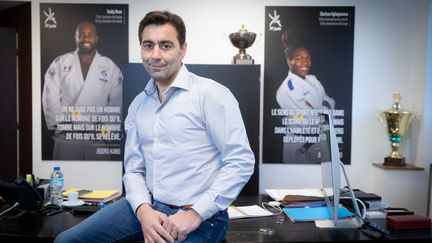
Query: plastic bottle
(56, 186)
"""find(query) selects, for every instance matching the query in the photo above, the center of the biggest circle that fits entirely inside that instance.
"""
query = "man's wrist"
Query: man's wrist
(142, 208)
(196, 214)
(143, 205)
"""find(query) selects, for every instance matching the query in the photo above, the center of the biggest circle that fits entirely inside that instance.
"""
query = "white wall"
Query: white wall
(389, 54)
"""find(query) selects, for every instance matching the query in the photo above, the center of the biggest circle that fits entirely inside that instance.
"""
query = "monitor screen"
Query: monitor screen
(330, 165)
(331, 177)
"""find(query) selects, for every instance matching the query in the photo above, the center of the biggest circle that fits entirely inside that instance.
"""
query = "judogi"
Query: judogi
(300, 94)
(65, 87)
(297, 93)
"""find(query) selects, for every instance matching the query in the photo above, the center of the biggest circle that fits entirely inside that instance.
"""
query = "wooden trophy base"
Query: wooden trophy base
(392, 167)
(389, 161)
(396, 164)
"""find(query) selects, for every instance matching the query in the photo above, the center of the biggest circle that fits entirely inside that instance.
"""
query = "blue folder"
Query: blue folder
(315, 213)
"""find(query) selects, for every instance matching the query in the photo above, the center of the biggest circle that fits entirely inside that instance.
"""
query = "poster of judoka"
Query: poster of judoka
(83, 47)
(308, 69)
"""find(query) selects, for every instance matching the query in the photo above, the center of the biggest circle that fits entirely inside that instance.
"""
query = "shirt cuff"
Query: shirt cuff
(136, 199)
(206, 207)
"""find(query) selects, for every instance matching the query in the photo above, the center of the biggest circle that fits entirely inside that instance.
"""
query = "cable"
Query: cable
(275, 207)
(10, 208)
(370, 225)
(363, 216)
(356, 209)
(373, 226)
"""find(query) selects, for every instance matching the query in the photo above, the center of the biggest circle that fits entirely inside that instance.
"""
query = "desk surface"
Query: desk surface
(44, 228)
(248, 230)
(239, 230)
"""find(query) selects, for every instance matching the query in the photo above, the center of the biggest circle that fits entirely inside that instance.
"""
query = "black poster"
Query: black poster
(231, 76)
(308, 70)
(83, 47)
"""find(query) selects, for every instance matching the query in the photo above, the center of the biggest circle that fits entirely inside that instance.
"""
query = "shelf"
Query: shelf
(394, 167)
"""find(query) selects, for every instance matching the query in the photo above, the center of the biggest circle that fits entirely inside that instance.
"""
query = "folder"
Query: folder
(314, 213)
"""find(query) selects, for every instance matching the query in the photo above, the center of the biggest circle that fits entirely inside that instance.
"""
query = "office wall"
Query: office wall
(390, 43)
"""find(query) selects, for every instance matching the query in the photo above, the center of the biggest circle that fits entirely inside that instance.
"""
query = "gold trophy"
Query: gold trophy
(396, 122)
(242, 40)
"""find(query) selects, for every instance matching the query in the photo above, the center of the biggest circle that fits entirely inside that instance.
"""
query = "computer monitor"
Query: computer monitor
(331, 177)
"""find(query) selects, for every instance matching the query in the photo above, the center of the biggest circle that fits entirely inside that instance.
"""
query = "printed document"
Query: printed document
(238, 212)
(279, 194)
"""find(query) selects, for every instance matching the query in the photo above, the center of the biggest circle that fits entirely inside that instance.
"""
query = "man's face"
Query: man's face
(300, 62)
(86, 38)
(161, 52)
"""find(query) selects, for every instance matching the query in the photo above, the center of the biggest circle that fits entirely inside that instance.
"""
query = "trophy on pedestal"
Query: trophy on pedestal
(242, 40)
(396, 122)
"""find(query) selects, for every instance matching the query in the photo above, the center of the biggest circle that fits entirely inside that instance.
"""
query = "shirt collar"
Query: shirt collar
(298, 77)
(181, 81)
(76, 52)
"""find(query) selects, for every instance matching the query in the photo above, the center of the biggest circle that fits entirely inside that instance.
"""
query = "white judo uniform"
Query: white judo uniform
(65, 87)
(299, 94)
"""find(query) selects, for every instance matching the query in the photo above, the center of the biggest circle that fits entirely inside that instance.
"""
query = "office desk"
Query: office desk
(248, 230)
(38, 227)
(44, 229)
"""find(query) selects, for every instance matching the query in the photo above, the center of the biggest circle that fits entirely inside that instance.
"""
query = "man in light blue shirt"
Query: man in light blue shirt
(187, 155)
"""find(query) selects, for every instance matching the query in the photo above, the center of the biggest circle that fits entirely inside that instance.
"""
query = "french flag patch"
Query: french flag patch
(290, 85)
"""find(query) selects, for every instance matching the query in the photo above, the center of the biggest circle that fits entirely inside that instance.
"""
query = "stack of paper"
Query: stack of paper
(279, 194)
(247, 212)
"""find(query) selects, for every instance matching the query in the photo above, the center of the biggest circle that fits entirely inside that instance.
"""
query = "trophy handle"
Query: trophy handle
(414, 116)
(381, 118)
(226, 40)
(258, 39)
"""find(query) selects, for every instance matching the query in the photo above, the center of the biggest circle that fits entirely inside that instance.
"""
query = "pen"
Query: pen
(54, 212)
(101, 204)
(239, 210)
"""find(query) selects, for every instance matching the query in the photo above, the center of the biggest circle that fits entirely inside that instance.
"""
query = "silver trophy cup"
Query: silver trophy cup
(242, 40)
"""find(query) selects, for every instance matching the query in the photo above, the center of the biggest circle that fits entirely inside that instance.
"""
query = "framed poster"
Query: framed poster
(308, 69)
(82, 49)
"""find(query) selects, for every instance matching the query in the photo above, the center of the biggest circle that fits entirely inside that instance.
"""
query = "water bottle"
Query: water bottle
(56, 187)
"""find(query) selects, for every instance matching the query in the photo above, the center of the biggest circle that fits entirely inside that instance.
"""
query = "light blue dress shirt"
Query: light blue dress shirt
(192, 149)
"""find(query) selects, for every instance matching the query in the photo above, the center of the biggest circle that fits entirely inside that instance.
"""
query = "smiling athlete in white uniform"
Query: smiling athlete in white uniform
(82, 78)
(301, 91)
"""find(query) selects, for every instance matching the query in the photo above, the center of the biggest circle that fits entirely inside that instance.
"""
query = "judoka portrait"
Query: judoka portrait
(300, 91)
(78, 85)
(308, 70)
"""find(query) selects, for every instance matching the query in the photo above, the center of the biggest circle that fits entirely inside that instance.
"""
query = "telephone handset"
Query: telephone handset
(31, 199)
(21, 192)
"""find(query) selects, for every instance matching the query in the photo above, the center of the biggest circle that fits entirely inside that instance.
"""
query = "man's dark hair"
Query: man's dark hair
(161, 18)
(86, 22)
